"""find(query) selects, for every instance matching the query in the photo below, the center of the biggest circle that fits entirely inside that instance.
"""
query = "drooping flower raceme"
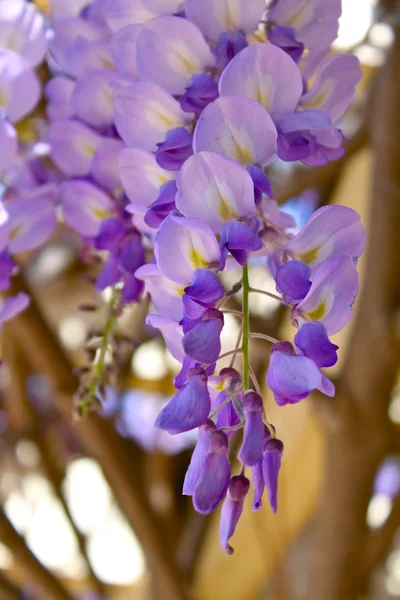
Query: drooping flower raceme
(163, 119)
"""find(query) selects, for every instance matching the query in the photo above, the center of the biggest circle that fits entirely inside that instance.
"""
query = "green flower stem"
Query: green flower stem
(99, 365)
(245, 339)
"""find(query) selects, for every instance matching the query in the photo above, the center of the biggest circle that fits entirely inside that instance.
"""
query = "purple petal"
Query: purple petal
(165, 294)
(251, 450)
(123, 50)
(144, 112)
(229, 44)
(285, 38)
(259, 485)
(266, 74)
(202, 90)
(73, 146)
(184, 245)
(271, 465)
(213, 485)
(93, 97)
(238, 128)
(203, 343)
(20, 88)
(215, 190)
(205, 287)
(22, 29)
(160, 208)
(334, 86)
(160, 60)
(312, 341)
(85, 206)
(188, 408)
(196, 466)
(175, 149)
(332, 294)
(232, 509)
(291, 378)
(8, 144)
(111, 234)
(331, 231)
(141, 177)
(214, 17)
(105, 168)
(59, 93)
(171, 332)
(293, 281)
(238, 239)
(32, 219)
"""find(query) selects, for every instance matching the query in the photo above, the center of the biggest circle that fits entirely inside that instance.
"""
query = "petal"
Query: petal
(58, 93)
(238, 128)
(232, 509)
(312, 341)
(332, 294)
(184, 245)
(84, 206)
(271, 465)
(334, 85)
(73, 146)
(188, 408)
(144, 112)
(171, 332)
(141, 176)
(214, 482)
(215, 190)
(175, 149)
(85, 56)
(105, 169)
(202, 90)
(32, 219)
(22, 30)
(161, 208)
(123, 50)
(291, 378)
(253, 441)
(238, 239)
(121, 13)
(169, 51)
(205, 287)
(214, 17)
(93, 97)
(259, 485)
(166, 295)
(8, 144)
(331, 230)
(20, 88)
(203, 343)
(196, 466)
(266, 74)
(293, 280)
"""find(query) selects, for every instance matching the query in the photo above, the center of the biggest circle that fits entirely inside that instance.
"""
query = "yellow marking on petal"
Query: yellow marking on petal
(180, 291)
(188, 66)
(318, 313)
(197, 260)
(101, 213)
(242, 155)
(225, 211)
(89, 149)
(309, 256)
(163, 178)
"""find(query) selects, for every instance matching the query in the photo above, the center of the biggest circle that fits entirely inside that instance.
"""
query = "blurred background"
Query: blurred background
(86, 504)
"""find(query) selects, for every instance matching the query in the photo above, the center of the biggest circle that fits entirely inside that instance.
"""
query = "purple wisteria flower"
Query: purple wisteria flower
(164, 117)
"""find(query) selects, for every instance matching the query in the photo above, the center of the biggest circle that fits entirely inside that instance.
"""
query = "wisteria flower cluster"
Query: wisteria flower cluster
(164, 117)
